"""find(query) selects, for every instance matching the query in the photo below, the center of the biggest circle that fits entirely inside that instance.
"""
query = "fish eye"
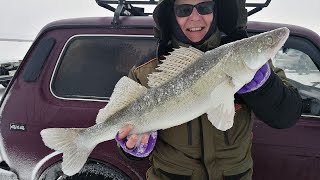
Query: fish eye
(269, 40)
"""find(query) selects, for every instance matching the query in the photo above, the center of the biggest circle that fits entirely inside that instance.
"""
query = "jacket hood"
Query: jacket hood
(231, 15)
(163, 11)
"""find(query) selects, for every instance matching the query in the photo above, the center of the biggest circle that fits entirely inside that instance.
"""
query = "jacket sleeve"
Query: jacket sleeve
(277, 103)
(132, 75)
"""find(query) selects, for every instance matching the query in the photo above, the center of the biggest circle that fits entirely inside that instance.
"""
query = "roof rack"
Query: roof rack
(257, 7)
(125, 8)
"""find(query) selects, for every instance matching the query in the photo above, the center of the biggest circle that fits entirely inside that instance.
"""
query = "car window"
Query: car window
(90, 66)
(300, 60)
(302, 73)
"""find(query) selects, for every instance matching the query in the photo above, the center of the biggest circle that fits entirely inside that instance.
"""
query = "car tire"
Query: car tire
(4, 71)
(92, 170)
(5, 83)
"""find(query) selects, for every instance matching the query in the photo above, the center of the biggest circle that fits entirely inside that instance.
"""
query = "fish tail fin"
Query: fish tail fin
(67, 141)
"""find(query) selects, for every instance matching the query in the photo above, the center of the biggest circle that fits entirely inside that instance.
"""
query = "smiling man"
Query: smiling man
(197, 150)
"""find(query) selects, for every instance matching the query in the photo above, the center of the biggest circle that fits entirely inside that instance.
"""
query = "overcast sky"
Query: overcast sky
(23, 19)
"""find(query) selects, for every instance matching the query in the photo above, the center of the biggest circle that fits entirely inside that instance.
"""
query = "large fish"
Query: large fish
(187, 84)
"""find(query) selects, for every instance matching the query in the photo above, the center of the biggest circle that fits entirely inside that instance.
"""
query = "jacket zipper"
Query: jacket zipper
(226, 137)
(189, 129)
(202, 148)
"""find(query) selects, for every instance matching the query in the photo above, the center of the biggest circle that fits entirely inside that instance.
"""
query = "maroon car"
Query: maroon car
(69, 73)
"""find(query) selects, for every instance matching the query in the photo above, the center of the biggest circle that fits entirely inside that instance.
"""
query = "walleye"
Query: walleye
(187, 84)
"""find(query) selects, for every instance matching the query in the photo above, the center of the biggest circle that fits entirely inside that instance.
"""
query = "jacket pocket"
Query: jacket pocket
(171, 136)
(174, 176)
(242, 176)
(170, 167)
(177, 165)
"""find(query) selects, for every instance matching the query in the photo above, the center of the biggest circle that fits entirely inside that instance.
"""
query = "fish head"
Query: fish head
(264, 46)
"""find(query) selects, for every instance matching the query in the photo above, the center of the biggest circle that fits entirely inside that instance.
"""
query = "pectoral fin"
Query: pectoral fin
(222, 111)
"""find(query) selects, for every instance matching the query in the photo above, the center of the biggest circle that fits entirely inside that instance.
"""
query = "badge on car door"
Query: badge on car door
(17, 127)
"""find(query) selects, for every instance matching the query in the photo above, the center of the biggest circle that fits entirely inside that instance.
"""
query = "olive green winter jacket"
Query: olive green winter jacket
(197, 150)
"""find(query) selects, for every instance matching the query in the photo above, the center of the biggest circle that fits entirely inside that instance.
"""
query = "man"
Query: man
(197, 150)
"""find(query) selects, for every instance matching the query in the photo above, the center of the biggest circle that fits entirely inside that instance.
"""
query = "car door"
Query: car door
(293, 153)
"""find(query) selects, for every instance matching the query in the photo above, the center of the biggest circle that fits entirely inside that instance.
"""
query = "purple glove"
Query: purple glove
(258, 80)
(140, 150)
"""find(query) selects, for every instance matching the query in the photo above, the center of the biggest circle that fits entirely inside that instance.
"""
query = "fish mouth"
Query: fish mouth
(281, 34)
(273, 40)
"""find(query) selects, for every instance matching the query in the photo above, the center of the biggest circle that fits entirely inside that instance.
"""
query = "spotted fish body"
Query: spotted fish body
(188, 84)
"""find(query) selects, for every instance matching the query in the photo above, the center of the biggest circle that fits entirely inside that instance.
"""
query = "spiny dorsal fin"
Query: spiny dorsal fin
(125, 92)
(175, 63)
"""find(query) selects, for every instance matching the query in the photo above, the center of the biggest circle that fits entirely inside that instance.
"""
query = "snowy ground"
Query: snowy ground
(310, 79)
(2, 89)
(7, 175)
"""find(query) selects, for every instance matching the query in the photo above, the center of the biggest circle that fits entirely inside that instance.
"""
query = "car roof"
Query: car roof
(254, 26)
(147, 22)
(91, 22)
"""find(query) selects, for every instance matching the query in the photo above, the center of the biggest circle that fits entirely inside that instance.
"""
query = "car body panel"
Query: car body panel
(31, 107)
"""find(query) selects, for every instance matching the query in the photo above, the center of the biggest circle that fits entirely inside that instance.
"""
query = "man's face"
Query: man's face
(195, 26)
